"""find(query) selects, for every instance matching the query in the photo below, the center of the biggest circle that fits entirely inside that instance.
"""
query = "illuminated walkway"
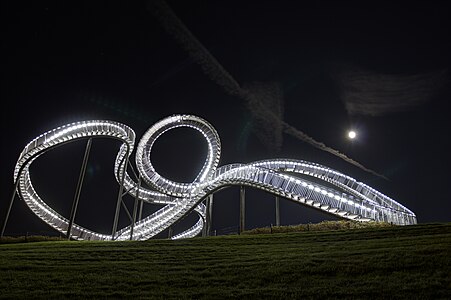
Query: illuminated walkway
(348, 198)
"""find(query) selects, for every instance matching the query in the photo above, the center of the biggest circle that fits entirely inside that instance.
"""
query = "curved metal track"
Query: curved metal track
(342, 195)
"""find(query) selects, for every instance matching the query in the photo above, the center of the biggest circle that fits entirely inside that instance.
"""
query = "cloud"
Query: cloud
(369, 93)
(264, 100)
(175, 27)
(261, 98)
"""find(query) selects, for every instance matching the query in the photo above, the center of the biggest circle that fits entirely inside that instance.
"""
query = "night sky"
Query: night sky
(323, 67)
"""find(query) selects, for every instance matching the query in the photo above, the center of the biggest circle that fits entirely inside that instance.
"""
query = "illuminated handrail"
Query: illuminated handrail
(347, 199)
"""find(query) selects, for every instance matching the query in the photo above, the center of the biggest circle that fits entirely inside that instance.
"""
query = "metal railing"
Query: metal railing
(347, 198)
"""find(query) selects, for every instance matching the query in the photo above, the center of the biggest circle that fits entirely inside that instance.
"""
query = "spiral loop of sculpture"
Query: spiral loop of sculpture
(341, 195)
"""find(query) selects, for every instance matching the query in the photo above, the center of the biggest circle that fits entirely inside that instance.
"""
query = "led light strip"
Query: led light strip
(349, 199)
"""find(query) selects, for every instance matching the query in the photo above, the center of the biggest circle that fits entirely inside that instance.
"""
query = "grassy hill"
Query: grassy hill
(392, 262)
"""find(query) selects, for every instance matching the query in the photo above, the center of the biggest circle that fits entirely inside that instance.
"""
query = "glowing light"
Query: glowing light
(352, 134)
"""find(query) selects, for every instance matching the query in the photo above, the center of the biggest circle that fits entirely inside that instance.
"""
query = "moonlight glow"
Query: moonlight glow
(352, 135)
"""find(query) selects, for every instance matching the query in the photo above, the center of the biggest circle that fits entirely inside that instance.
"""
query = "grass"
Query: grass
(322, 226)
(386, 262)
(29, 239)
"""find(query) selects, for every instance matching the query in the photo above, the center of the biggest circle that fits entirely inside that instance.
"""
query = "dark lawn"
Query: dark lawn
(394, 262)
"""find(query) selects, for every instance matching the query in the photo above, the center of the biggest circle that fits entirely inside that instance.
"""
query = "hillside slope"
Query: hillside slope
(395, 262)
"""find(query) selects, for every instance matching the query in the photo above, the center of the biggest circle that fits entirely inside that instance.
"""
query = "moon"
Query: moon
(352, 134)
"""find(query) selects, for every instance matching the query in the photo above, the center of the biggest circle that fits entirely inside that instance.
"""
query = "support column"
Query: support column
(277, 212)
(140, 210)
(135, 207)
(204, 229)
(140, 206)
(242, 208)
(119, 196)
(9, 207)
(170, 232)
(209, 215)
(73, 211)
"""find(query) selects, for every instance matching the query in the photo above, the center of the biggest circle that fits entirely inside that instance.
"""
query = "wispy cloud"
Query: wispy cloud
(370, 93)
(267, 96)
(264, 100)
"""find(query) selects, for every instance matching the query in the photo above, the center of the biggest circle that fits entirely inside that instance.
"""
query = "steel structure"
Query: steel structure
(340, 194)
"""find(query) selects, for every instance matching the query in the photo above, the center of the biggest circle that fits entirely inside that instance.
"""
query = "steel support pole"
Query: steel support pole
(119, 195)
(129, 215)
(140, 210)
(73, 210)
(277, 212)
(135, 207)
(204, 229)
(170, 232)
(9, 207)
(209, 214)
(242, 208)
(141, 203)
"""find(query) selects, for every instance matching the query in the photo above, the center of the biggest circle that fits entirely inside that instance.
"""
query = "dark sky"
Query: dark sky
(378, 67)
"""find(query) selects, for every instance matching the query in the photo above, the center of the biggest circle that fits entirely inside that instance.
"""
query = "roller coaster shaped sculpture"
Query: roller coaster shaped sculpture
(348, 199)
